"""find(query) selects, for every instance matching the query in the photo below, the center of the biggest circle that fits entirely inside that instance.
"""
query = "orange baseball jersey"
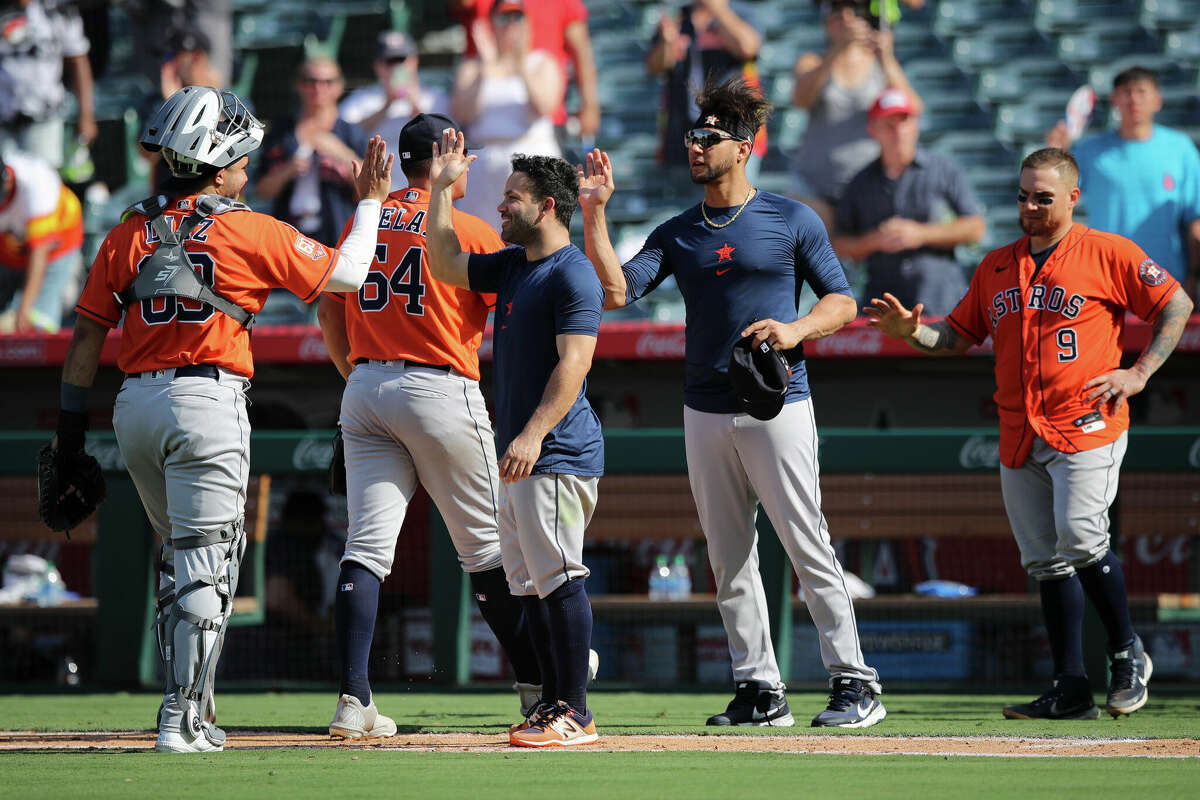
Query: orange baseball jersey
(401, 311)
(1056, 328)
(240, 253)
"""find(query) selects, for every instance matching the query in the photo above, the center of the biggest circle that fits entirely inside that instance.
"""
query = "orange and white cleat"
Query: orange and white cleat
(556, 726)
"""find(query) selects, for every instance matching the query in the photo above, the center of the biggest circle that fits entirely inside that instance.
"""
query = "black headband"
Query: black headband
(736, 127)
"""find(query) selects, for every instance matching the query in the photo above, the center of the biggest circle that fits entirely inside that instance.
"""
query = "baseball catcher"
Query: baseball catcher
(70, 483)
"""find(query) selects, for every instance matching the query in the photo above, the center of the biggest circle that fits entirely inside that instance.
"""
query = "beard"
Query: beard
(1037, 227)
(520, 231)
(712, 172)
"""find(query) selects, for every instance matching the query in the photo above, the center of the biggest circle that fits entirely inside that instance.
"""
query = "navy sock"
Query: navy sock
(505, 615)
(355, 606)
(1104, 583)
(1062, 610)
(570, 614)
(539, 635)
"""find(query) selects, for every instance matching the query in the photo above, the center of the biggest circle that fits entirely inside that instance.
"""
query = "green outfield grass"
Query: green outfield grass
(334, 773)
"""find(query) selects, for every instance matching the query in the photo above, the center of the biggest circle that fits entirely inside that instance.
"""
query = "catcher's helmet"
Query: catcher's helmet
(200, 129)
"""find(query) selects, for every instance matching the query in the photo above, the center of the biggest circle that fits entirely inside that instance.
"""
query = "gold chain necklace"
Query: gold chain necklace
(742, 208)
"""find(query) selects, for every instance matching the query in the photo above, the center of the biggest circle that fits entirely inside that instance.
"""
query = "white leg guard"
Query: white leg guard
(206, 574)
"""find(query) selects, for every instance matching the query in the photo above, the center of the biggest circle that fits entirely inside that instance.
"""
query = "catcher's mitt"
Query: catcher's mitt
(70, 486)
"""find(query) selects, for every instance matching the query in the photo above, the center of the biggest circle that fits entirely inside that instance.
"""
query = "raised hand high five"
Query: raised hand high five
(450, 159)
(595, 180)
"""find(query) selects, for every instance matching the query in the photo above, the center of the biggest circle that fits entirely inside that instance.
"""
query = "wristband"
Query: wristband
(73, 398)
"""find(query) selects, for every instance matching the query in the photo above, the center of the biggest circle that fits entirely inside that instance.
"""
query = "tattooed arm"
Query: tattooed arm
(1112, 388)
(893, 319)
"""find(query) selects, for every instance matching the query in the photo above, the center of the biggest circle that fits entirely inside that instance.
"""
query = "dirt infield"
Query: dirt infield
(1024, 747)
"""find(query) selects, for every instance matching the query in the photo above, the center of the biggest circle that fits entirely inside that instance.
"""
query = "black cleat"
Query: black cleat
(753, 704)
(1131, 669)
(852, 704)
(1069, 698)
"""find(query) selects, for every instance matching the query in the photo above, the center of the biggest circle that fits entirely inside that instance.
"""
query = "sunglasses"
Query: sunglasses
(310, 80)
(508, 17)
(706, 138)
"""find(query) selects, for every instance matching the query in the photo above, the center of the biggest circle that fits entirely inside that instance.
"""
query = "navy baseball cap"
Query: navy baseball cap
(419, 133)
(759, 374)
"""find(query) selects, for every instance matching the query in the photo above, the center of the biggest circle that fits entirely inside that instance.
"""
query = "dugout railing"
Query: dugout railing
(878, 485)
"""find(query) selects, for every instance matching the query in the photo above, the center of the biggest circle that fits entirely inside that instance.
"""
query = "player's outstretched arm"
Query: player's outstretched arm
(595, 188)
(447, 260)
(891, 318)
(372, 181)
(1113, 388)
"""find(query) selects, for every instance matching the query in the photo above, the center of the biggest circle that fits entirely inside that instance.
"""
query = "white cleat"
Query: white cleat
(352, 721)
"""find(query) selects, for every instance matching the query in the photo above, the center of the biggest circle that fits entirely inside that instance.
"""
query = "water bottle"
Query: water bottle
(78, 166)
(53, 591)
(681, 579)
(660, 579)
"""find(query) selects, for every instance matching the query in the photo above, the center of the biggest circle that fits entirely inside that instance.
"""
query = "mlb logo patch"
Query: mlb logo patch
(411, 194)
(346, 587)
(183, 205)
(1151, 274)
(306, 246)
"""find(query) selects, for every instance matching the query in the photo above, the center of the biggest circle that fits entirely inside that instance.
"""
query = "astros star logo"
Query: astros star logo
(725, 253)
(711, 119)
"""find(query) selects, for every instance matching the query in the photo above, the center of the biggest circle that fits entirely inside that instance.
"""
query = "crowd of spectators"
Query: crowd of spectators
(896, 212)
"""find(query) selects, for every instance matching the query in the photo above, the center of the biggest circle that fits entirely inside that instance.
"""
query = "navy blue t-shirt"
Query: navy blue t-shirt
(752, 269)
(535, 302)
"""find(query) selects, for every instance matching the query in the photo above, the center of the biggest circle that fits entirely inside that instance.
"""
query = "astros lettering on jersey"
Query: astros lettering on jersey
(401, 311)
(1056, 328)
(242, 262)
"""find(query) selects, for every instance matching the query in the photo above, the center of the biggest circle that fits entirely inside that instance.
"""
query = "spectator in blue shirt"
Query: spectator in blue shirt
(905, 212)
(306, 171)
(551, 454)
(1142, 180)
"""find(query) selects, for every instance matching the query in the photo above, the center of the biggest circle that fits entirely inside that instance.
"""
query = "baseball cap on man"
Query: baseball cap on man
(395, 46)
(759, 374)
(419, 133)
(890, 102)
(507, 6)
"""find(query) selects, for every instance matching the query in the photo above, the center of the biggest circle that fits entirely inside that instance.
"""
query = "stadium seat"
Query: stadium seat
(975, 150)
(1028, 119)
(996, 187)
(930, 76)
(1101, 39)
(952, 110)
(1065, 16)
(1183, 45)
(956, 17)
(790, 126)
(999, 44)
(1009, 83)
(1170, 14)
(914, 39)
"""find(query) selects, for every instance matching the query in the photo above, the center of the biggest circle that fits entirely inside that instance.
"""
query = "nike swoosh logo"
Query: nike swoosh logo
(1001, 269)
(723, 271)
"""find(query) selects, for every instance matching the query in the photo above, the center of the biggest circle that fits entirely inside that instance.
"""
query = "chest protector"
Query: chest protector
(169, 272)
